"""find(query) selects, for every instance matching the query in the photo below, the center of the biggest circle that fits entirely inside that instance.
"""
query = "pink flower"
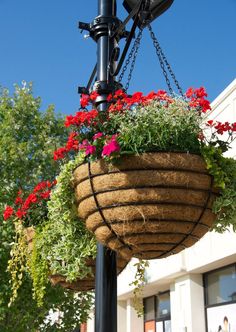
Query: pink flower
(98, 135)
(110, 147)
(90, 149)
(84, 144)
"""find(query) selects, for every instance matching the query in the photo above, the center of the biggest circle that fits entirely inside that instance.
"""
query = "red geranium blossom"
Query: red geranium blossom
(7, 213)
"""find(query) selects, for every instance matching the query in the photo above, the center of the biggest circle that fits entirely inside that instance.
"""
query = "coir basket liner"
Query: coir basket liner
(85, 284)
(149, 205)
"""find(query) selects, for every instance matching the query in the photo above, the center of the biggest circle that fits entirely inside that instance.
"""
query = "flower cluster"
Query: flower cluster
(197, 99)
(99, 134)
(221, 128)
(31, 209)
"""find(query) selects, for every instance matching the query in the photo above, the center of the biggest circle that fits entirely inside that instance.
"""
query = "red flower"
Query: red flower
(204, 104)
(210, 123)
(69, 120)
(93, 96)
(40, 186)
(109, 98)
(120, 93)
(189, 93)
(20, 213)
(31, 199)
(152, 95)
(59, 153)
(72, 143)
(136, 98)
(162, 94)
(84, 100)
(18, 200)
(8, 212)
(201, 92)
(46, 194)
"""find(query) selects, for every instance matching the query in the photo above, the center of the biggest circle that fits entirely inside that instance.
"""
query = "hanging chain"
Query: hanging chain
(132, 56)
(165, 66)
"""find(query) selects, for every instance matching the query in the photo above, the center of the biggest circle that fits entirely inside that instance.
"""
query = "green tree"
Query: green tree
(28, 138)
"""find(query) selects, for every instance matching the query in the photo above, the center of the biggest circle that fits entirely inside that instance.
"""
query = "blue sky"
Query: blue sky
(40, 42)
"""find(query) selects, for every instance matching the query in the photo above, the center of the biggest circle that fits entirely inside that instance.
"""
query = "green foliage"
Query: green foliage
(27, 141)
(62, 244)
(155, 127)
(18, 261)
(224, 172)
(65, 236)
(138, 283)
(39, 270)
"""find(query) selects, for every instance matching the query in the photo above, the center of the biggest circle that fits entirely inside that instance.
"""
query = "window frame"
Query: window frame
(205, 287)
(167, 318)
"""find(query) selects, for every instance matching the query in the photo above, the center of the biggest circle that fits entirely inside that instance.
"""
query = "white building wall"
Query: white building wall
(134, 323)
(122, 316)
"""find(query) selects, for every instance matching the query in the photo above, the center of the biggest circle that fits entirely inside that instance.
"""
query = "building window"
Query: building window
(221, 285)
(149, 308)
(220, 299)
(157, 313)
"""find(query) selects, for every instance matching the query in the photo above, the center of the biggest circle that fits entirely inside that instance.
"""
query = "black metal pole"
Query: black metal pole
(106, 277)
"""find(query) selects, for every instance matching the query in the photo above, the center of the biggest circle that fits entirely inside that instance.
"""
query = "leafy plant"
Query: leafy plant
(61, 243)
(139, 283)
(223, 171)
(17, 265)
(66, 238)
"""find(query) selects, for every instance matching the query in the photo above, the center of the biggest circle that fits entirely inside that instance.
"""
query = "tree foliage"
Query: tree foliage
(28, 137)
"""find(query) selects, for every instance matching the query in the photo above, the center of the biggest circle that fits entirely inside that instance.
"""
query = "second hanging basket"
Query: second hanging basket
(87, 283)
(81, 284)
(147, 206)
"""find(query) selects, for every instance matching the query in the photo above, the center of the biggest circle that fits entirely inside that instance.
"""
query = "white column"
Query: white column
(187, 304)
(121, 316)
(134, 323)
(91, 323)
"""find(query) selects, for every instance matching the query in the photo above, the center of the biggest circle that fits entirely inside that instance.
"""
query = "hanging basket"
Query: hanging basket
(147, 206)
(85, 284)
(88, 283)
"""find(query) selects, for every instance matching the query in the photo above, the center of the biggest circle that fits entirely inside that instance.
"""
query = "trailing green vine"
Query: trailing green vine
(224, 172)
(62, 244)
(138, 283)
(17, 265)
(39, 271)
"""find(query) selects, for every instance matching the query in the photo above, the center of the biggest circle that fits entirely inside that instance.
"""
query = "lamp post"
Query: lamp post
(106, 277)
(107, 30)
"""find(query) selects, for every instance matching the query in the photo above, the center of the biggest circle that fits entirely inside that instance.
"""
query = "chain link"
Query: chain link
(132, 56)
(165, 66)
